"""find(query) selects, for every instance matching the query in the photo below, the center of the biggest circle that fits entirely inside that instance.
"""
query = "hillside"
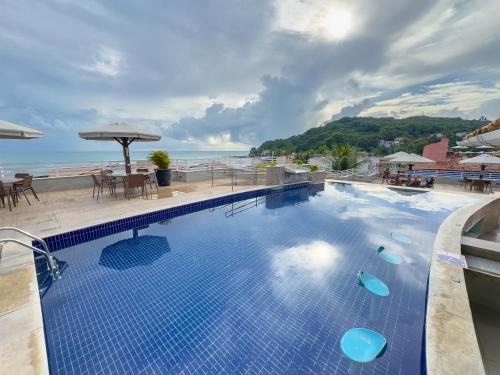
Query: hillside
(366, 133)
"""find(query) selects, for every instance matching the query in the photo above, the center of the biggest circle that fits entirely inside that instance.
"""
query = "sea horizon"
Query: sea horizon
(39, 162)
(83, 156)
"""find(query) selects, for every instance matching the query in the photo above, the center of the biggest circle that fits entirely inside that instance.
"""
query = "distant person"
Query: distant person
(386, 174)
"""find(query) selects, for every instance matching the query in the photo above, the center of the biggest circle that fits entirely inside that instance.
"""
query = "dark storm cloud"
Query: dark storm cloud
(69, 65)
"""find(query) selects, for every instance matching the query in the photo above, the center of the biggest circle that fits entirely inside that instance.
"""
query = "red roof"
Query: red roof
(436, 151)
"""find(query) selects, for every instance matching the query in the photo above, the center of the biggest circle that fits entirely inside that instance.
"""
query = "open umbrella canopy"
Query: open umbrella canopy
(123, 133)
(483, 159)
(118, 130)
(395, 155)
(9, 130)
(412, 159)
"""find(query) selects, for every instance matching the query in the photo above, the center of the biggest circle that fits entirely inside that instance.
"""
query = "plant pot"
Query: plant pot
(163, 176)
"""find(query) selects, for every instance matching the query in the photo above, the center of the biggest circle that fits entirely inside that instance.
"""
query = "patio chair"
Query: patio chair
(107, 179)
(134, 181)
(150, 179)
(465, 181)
(478, 185)
(97, 184)
(6, 193)
(23, 187)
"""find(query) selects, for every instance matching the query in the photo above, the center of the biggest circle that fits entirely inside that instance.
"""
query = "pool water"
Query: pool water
(266, 285)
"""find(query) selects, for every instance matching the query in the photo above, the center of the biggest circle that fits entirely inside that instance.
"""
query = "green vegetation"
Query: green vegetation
(160, 159)
(365, 133)
(344, 157)
(314, 168)
(263, 166)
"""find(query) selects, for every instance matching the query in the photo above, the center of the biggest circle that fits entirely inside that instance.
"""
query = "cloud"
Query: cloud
(455, 99)
(236, 74)
(106, 62)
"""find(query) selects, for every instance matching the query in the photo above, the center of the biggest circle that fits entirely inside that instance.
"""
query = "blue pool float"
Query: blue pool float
(363, 345)
(373, 284)
(401, 239)
(388, 257)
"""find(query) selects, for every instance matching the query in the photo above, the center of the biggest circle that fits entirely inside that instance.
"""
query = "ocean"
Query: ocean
(38, 163)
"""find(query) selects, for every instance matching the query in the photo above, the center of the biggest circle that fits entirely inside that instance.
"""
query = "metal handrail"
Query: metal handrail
(51, 261)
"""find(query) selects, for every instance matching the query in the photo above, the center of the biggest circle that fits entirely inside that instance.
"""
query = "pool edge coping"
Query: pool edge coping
(451, 344)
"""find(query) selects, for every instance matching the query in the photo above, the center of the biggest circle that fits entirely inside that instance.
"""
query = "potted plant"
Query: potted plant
(162, 161)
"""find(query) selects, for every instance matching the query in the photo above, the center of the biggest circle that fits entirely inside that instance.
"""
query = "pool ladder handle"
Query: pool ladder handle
(51, 261)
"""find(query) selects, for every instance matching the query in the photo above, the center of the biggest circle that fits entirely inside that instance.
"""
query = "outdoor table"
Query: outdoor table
(123, 175)
(8, 182)
(487, 182)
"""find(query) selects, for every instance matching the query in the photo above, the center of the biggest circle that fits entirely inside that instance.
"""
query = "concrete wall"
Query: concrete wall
(490, 214)
(278, 176)
(62, 183)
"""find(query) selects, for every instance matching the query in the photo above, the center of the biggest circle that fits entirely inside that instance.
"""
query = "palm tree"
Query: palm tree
(344, 157)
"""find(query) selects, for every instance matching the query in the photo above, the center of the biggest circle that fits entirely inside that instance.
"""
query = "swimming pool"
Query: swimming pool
(261, 285)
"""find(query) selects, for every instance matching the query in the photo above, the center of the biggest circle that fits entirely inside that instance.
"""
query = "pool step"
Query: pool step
(481, 248)
(486, 266)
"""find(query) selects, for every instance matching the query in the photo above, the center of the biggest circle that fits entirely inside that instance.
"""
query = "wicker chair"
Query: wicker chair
(23, 187)
(150, 178)
(108, 180)
(6, 193)
(98, 185)
(134, 181)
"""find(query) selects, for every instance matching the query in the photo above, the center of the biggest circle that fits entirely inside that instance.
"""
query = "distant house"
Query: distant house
(436, 135)
(436, 151)
(384, 143)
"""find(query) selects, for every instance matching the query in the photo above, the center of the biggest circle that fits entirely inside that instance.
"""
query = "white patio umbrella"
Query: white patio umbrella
(483, 160)
(411, 160)
(8, 130)
(484, 147)
(395, 155)
(122, 133)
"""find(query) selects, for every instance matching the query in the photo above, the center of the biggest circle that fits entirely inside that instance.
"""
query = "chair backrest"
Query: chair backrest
(135, 180)
(142, 170)
(21, 175)
(3, 191)
(96, 180)
(27, 181)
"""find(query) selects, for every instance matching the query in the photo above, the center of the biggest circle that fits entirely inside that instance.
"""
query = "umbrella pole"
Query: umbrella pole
(125, 143)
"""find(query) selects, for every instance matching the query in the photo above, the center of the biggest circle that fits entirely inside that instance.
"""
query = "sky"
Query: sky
(230, 74)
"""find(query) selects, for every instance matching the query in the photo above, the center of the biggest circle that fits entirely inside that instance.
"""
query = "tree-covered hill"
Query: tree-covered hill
(367, 132)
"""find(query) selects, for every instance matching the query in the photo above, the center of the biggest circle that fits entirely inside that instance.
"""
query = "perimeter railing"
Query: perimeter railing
(65, 169)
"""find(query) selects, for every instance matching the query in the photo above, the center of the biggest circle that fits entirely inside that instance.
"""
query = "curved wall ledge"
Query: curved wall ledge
(451, 342)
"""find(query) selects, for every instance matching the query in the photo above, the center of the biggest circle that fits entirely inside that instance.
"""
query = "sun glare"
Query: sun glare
(338, 23)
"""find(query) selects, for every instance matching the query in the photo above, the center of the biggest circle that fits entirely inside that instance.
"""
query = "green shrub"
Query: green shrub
(160, 159)
(263, 166)
(314, 168)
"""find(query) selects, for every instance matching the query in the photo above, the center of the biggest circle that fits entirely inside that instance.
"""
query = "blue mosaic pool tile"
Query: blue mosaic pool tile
(268, 290)
(76, 237)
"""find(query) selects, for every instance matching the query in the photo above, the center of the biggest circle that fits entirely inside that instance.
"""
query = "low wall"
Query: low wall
(62, 183)
(451, 343)
(278, 176)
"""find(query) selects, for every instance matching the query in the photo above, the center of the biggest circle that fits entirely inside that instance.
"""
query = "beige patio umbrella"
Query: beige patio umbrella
(122, 133)
(395, 155)
(8, 130)
(411, 160)
(483, 160)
